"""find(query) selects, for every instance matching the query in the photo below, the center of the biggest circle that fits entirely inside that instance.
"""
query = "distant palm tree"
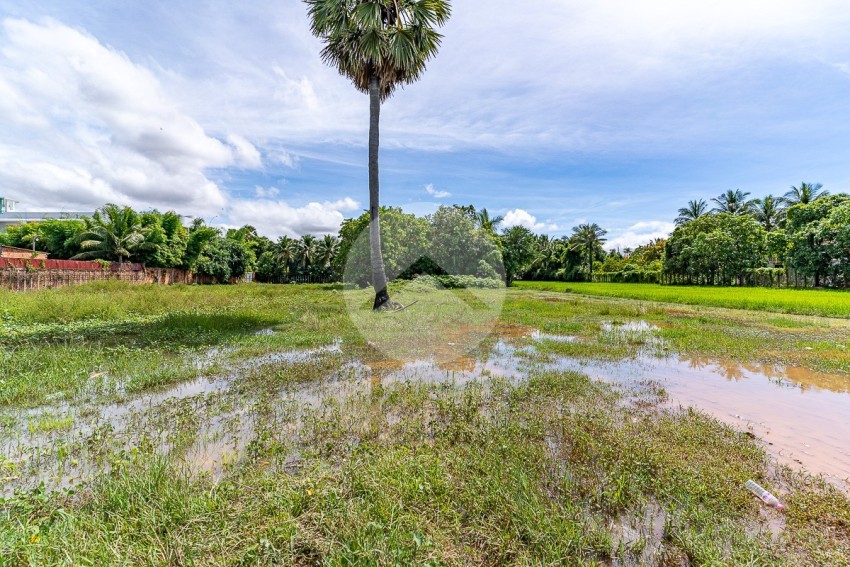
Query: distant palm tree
(769, 212)
(804, 194)
(693, 211)
(113, 233)
(307, 251)
(588, 239)
(734, 202)
(326, 251)
(286, 252)
(486, 222)
(379, 45)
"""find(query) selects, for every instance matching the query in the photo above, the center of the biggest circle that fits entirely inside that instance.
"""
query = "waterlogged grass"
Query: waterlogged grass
(544, 472)
(826, 303)
(326, 459)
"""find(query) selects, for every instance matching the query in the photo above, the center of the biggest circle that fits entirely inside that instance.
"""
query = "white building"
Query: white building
(10, 216)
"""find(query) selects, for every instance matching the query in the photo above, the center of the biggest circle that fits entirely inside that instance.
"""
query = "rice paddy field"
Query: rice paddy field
(827, 303)
(268, 425)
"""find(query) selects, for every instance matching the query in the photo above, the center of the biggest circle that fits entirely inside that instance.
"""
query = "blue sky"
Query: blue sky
(551, 112)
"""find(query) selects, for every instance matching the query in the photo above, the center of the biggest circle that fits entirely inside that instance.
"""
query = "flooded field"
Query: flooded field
(263, 413)
(801, 416)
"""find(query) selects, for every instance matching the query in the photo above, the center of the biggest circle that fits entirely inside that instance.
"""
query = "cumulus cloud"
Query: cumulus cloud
(640, 233)
(274, 218)
(520, 217)
(83, 125)
(437, 194)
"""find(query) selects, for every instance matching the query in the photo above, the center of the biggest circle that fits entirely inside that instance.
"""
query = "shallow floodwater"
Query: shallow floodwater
(802, 416)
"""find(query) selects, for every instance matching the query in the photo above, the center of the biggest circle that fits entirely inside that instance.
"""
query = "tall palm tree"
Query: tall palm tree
(113, 233)
(769, 212)
(588, 238)
(804, 194)
(488, 223)
(693, 211)
(379, 45)
(734, 202)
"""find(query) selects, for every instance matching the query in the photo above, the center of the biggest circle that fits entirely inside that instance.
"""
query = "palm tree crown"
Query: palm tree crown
(390, 39)
(488, 223)
(114, 233)
(693, 211)
(804, 194)
(588, 238)
(734, 202)
(769, 212)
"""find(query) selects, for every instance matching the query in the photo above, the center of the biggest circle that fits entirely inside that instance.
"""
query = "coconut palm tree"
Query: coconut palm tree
(733, 202)
(588, 239)
(488, 223)
(769, 212)
(286, 251)
(693, 211)
(379, 45)
(306, 251)
(326, 251)
(804, 194)
(113, 233)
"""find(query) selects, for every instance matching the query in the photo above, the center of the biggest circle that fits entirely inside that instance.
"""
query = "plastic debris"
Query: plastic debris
(764, 495)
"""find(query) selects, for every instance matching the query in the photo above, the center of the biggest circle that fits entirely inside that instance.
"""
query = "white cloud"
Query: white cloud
(640, 233)
(274, 218)
(266, 192)
(246, 153)
(520, 217)
(437, 194)
(84, 125)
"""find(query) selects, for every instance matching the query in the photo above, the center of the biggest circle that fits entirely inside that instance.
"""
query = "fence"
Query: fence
(28, 279)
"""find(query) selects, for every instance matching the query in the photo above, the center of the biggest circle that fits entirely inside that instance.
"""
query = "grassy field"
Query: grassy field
(328, 450)
(826, 303)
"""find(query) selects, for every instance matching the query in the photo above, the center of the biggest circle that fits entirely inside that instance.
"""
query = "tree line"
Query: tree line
(161, 240)
(805, 232)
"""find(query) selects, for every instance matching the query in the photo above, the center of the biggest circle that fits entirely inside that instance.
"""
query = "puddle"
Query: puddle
(541, 336)
(801, 415)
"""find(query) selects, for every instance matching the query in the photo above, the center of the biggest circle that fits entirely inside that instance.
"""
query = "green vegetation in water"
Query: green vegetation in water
(549, 468)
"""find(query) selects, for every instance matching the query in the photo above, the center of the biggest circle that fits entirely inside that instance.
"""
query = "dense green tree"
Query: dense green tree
(199, 236)
(518, 248)
(112, 233)
(223, 258)
(165, 240)
(404, 238)
(716, 249)
(459, 246)
(379, 45)
(808, 252)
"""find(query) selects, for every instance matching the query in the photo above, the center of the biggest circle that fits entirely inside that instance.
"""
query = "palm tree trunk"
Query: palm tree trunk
(379, 276)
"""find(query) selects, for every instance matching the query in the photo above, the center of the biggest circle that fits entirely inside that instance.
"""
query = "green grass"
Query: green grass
(826, 303)
(329, 463)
